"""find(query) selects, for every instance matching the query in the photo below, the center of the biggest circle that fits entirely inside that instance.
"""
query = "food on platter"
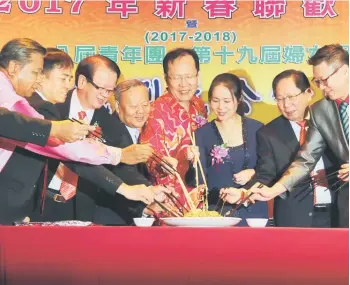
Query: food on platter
(199, 213)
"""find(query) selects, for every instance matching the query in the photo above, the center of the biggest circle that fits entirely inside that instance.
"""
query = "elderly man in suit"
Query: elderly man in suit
(309, 205)
(132, 109)
(329, 126)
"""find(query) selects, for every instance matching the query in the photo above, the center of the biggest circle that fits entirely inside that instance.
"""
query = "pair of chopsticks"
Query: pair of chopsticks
(327, 177)
(95, 133)
(177, 202)
(174, 214)
(234, 209)
(179, 179)
(166, 165)
(198, 163)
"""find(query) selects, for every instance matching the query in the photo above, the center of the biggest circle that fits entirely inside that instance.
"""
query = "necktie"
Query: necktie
(82, 115)
(302, 125)
(344, 118)
(69, 183)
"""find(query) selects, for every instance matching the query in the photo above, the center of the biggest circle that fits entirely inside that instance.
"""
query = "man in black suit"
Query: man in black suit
(82, 206)
(277, 145)
(22, 128)
(21, 60)
(132, 109)
(19, 127)
(329, 128)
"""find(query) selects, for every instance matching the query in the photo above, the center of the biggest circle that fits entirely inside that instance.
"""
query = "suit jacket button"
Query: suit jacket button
(310, 214)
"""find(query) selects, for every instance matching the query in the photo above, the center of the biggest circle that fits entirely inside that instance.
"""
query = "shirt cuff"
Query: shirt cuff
(116, 154)
(144, 215)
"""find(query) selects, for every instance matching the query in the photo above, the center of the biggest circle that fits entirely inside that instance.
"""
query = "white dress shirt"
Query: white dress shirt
(74, 109)
(134, 133)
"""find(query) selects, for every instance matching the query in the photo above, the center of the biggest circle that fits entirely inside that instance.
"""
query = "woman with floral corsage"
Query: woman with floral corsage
(227, 147)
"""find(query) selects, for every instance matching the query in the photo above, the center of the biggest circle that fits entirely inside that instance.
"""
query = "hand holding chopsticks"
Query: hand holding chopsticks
(245, 197)
(136, 153)
(164, 162)
(96, 134)
(68, 131)
(230, 195)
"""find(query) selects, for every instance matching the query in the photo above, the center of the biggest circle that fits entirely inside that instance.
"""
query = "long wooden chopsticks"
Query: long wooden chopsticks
(95, 133)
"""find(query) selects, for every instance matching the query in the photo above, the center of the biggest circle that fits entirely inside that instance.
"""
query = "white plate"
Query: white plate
(202, 222)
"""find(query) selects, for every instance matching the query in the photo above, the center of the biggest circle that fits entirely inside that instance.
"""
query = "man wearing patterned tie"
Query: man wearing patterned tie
(95, 80)
(329, 127)
(21, 61)
(52, 87)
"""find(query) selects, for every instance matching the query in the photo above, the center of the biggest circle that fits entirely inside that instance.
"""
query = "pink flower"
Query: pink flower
(218, 153)
(201, 120)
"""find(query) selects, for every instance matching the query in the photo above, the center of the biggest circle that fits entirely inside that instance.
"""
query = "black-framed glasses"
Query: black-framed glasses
(100, 89)
(291, 98)
(324, 82)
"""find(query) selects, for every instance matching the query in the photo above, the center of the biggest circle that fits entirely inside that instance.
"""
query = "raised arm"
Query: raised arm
(88, 151)
(23, 128)
(306, 159)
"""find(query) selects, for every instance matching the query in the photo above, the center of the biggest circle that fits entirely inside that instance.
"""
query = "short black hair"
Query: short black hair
(330, 54)
(55, 57)
(88, 66)
(300, 79)
(179, 52)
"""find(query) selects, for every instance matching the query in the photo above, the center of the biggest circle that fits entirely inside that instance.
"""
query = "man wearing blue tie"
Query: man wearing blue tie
(329, 126)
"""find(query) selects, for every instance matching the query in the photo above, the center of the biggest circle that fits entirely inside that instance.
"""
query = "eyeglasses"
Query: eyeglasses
(101, 89)
(179, 78)
(291, 98)
(324, 82)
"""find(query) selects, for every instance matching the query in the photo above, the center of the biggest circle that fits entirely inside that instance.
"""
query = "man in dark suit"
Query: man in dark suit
(277, 145)
(19, 127)
(22, 128)
(132, 108)
(20, 62)
(58, 65)
(329, 127)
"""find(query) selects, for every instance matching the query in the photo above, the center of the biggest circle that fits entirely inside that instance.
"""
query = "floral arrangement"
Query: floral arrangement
(201, 120)
(218, 153)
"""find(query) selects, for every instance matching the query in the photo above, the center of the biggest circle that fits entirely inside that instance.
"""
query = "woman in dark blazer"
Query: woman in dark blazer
(227, 146)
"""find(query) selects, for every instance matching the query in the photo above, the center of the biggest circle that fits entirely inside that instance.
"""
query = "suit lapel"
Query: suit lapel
(35, 98)
(287, 134)
(333, 113)
(65, 106)
(127, 139)
(46, 108)
(96, 118)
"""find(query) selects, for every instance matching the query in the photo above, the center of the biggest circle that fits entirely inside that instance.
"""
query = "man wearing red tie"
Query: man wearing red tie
(85, 103)
(310, 204)
(329, 127)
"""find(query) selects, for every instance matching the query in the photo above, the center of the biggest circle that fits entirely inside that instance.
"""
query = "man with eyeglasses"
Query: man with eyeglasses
(175, 115)
(95, 79)
(329, 127)
(277, 145)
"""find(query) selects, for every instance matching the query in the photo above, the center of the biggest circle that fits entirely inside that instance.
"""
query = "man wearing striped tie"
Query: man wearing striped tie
(329, 126)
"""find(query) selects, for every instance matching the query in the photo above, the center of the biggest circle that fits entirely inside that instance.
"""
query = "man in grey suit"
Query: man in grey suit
(329, 126)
